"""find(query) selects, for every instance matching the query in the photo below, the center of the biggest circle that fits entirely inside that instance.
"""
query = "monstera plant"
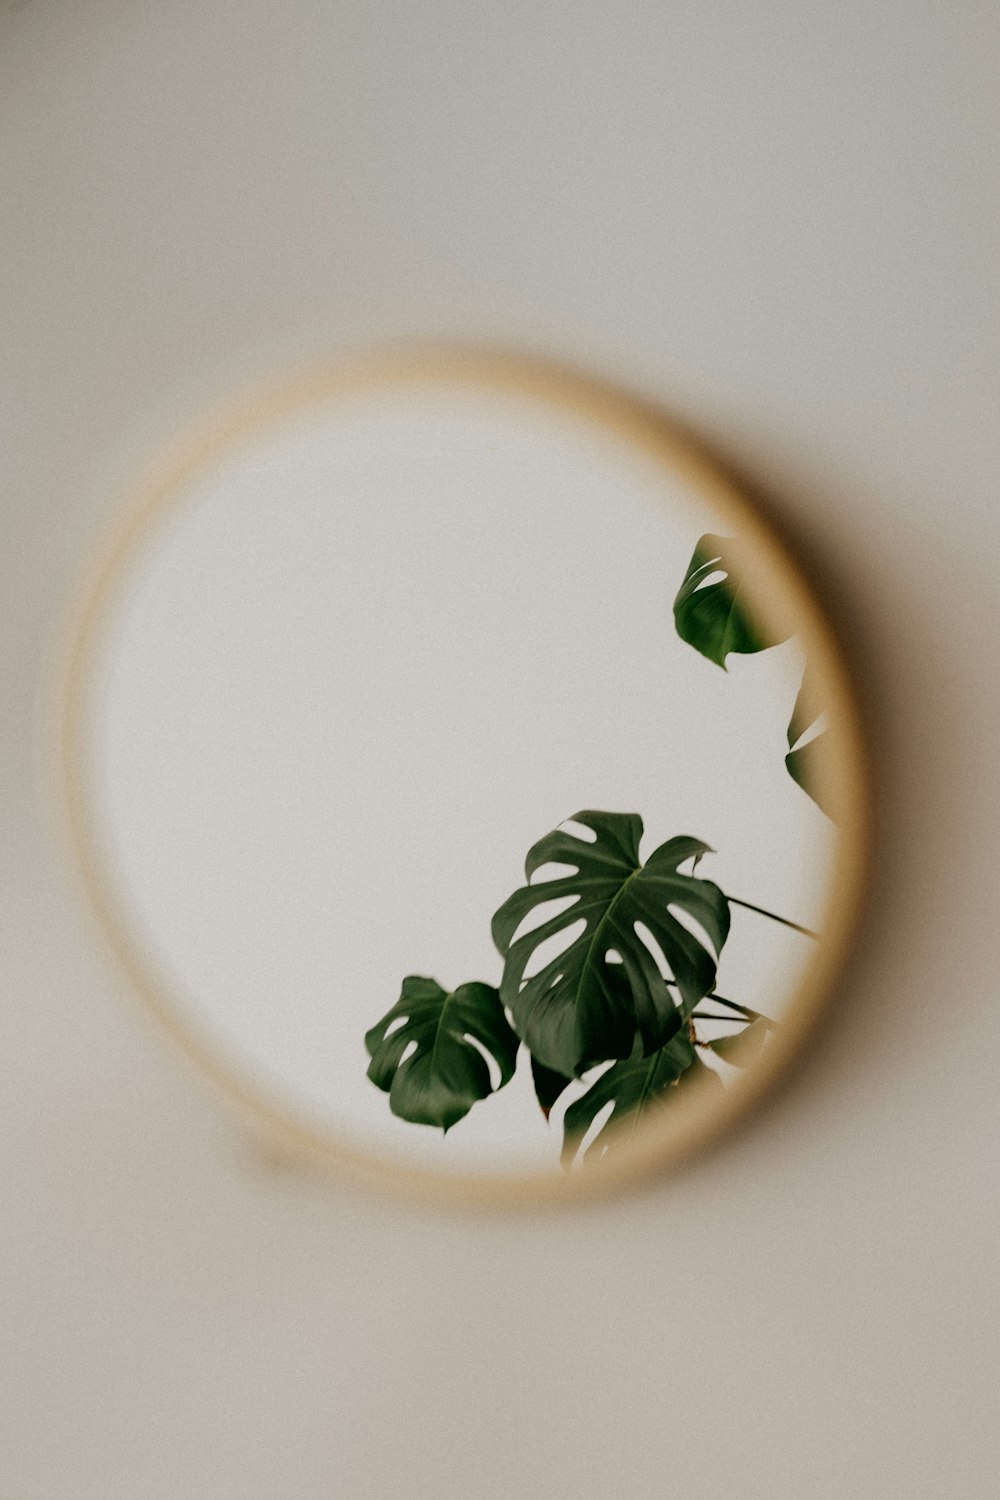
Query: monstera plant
(617, 1008)
(609, 960)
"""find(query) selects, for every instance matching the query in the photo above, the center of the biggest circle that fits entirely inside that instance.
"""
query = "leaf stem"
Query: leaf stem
(744, 1010)
(762, 910)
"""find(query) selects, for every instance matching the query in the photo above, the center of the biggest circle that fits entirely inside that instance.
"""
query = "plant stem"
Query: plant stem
(807, 931)
(744, 1010)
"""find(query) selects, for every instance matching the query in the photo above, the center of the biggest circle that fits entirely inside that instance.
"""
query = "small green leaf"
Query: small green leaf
(444, 1074)
(548, 1085)
(633, 1087)
(714, 617)
(583, 1007)
(804, 761)
(743, 1047)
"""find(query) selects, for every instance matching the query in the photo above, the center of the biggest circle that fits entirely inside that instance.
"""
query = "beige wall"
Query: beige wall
(781, 222)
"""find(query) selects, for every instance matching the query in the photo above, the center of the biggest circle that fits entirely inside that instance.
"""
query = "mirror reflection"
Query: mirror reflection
(461, 765)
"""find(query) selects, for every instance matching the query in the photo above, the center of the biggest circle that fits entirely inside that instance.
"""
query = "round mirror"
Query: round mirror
(464, 771)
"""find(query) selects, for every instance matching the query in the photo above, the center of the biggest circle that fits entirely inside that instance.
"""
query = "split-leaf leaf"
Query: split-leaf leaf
(444, 1073)
(634, 1087)
(711, 610)
(588, 1003)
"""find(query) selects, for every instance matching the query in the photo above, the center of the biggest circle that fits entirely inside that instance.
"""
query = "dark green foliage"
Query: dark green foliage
(803, 760)
(603, 998)
(580, 1008)
(548, 1085)
(713, 617)
(445, 1076)
(634, 1086)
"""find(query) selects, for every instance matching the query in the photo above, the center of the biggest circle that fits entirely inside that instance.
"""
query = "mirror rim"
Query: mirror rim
(696, 1121)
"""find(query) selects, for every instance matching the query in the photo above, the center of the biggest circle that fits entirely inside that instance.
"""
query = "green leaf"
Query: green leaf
(445, 1074)
(633, 1087)
(804, 761)
(581, 1008)
(713, 617)
(741, 1048)
(548, 1085)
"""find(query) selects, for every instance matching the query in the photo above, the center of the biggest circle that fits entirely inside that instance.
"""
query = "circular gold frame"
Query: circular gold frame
(693, 1120)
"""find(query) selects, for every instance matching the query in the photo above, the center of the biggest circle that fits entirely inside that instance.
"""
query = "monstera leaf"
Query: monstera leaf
(548, 1085)
(803, 759)
(711, 612)
(443, 1074)
(633, 1087)
(589, 1002)
(741, 1048)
